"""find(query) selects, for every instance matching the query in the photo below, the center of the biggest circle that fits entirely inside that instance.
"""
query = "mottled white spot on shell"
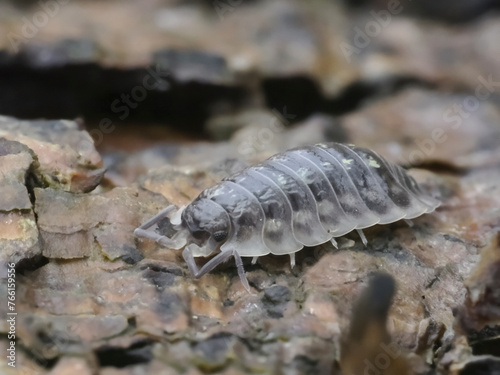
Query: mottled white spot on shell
(282, 179)
(306, 175)
(347, 162)
(274, 225)
(373, 163)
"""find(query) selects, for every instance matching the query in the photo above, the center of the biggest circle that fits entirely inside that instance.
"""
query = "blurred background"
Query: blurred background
(189, 69)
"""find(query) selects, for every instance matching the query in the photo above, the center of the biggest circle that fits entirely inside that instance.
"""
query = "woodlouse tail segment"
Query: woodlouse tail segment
(177, 238)
(214, 262)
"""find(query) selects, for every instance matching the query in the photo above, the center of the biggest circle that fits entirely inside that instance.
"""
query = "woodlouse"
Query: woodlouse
(302, 197)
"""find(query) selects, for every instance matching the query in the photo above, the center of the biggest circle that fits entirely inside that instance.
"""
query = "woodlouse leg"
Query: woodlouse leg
(292, 260)
(254, 260)
(362, 235)
(241, 271)
(214, 262)
(207, 267)
(334, 243)
(409, 222)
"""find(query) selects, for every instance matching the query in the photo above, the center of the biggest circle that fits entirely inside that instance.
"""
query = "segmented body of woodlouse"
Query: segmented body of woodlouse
(302, 197)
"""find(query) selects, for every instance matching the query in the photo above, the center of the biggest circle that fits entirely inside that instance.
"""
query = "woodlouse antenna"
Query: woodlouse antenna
(176, 241)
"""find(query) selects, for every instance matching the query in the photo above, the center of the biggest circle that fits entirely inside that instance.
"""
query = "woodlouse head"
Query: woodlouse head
(208, 224)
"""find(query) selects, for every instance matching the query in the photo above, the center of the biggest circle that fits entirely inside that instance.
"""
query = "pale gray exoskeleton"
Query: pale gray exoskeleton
(302, 197)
